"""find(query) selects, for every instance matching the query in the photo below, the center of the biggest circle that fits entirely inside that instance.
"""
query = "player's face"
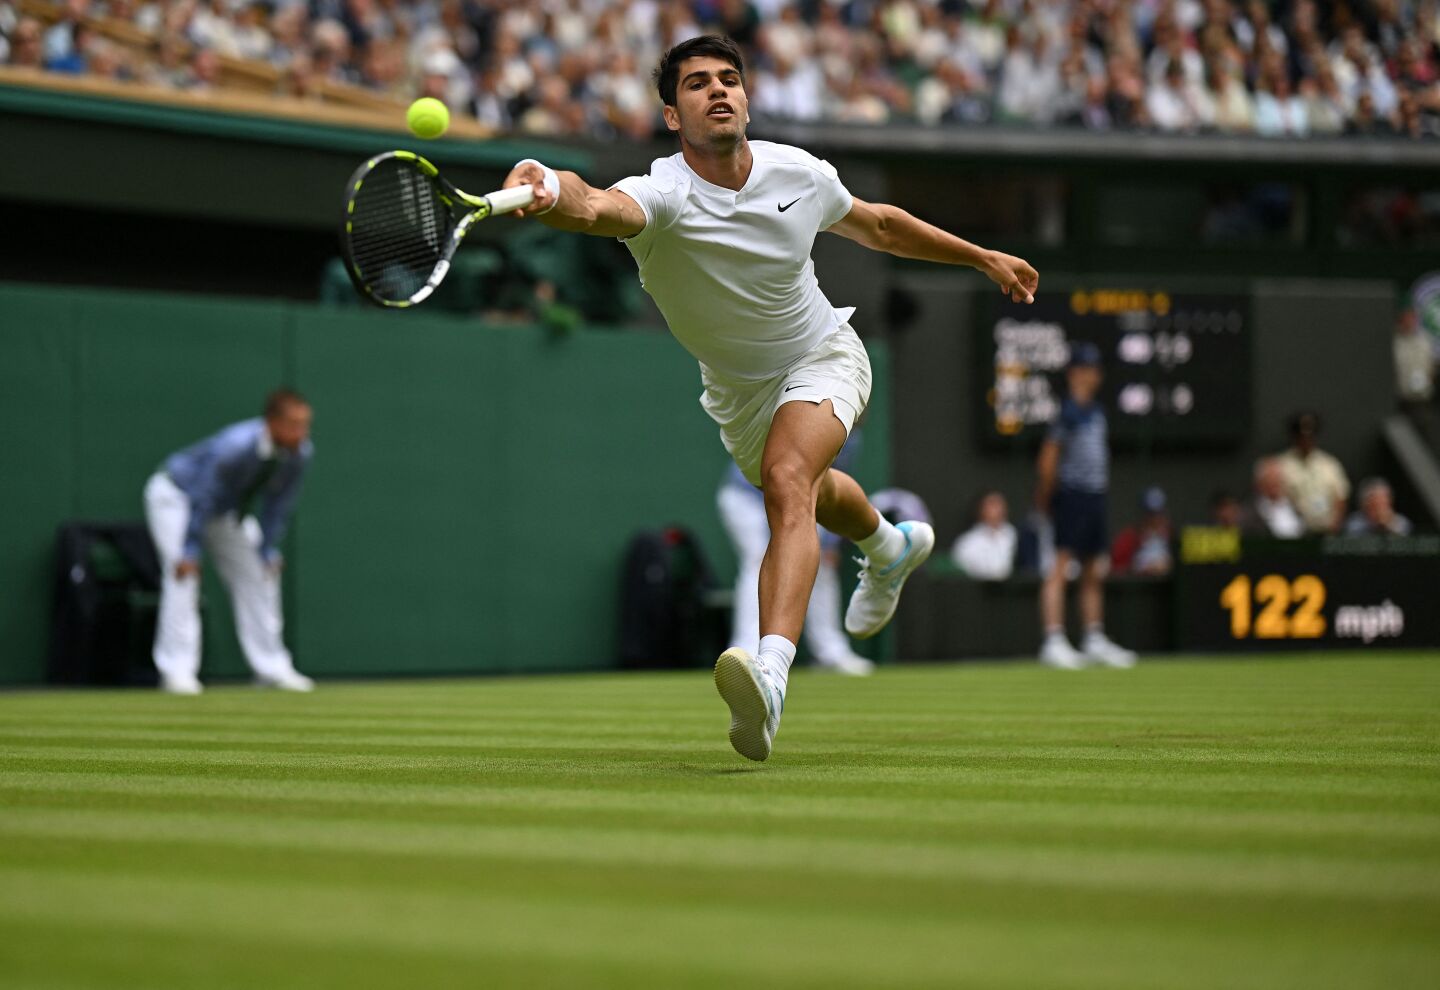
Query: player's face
(290, 427)
(711, 108)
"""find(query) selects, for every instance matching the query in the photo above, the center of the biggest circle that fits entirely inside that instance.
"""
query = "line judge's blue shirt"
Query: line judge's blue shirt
(219, 472)
(1083, 436)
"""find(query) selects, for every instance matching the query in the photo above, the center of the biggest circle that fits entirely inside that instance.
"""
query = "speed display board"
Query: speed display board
(1367, 592)
(1177, 363)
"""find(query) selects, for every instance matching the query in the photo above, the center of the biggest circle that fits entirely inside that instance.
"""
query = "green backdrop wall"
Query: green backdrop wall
(473, 488)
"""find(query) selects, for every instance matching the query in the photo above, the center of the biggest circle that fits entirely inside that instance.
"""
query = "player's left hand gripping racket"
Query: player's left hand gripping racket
(403, 223)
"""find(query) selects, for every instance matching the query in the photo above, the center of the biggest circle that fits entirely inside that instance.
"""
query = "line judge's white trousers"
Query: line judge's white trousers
(743, 515)
(234, 547)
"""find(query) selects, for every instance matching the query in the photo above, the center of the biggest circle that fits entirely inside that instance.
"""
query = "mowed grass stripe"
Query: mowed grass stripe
(1365, 750)
(1215, 688)
(1120, 860)
(1026, 811)
(791, 890)
(1243, 823)
(759, 942)
(957, 763)
(1211, 781)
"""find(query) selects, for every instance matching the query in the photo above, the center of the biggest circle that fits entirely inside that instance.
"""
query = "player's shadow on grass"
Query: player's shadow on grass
(693, 770)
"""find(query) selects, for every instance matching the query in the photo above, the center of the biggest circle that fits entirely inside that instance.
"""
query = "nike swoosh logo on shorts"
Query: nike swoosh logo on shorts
(791, 203)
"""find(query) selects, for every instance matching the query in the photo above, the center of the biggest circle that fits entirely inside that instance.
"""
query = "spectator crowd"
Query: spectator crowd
(1283, 68)
(1299, 492)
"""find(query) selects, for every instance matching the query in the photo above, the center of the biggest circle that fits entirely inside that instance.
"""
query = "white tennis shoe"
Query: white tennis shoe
(1103, 650)
(181, 685)
(876, 596)
(755, 703)
(1058, 653)
(849, 664)
(291, 680)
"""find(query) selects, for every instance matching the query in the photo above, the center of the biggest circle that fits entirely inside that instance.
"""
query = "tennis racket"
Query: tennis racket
(403, 223)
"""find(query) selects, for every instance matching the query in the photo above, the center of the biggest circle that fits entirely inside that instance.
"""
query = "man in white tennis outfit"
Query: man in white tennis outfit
(230, 494)
(722, 234)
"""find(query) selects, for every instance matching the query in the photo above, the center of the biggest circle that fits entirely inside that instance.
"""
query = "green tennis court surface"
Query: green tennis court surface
(1239, 823)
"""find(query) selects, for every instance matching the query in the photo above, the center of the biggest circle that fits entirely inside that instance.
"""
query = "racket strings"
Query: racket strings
(400, 230)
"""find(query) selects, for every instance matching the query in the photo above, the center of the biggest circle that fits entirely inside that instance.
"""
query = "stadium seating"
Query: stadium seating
(1291, 68)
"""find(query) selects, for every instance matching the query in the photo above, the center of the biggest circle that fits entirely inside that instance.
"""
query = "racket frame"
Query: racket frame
(501, 201)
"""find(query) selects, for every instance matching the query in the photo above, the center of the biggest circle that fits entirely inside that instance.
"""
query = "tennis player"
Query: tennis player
(722, 233)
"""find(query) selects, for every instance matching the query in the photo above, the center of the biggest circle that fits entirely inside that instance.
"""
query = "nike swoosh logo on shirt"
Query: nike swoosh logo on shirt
(791, 203)
(796, 385)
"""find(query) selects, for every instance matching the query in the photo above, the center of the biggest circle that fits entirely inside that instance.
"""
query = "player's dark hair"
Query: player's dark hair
(281, 399)
(667, 73)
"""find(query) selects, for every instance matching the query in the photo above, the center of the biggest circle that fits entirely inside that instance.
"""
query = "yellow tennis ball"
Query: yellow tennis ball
(427, 117)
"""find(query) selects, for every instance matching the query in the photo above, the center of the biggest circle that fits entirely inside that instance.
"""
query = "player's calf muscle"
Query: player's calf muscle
(842, 507)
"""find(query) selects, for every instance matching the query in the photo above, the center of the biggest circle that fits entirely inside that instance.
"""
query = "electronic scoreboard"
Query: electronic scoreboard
(1177, 363)
(1246, 594)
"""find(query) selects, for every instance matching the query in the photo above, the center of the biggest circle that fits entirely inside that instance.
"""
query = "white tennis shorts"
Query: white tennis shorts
(837, 369)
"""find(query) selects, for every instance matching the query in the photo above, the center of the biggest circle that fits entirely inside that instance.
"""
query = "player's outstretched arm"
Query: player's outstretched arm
(882, 227)
(580, 206)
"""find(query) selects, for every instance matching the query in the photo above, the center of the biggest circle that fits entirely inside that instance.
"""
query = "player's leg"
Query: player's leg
(812, 409)
(892, 552)
(803, 439)
(255, 597)
(842, 507)
(743, 515)
(177, 627)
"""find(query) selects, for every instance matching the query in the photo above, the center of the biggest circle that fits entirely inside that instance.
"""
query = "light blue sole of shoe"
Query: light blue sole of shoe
(738, 689)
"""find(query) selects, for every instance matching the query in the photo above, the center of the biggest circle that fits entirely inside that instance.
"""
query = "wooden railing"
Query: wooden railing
(245, 86)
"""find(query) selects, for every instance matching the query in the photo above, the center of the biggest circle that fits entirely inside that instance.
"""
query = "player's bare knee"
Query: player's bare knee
(787, 480)
(789, 490)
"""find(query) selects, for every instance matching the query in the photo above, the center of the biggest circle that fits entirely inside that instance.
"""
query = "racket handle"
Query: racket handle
(514, 198)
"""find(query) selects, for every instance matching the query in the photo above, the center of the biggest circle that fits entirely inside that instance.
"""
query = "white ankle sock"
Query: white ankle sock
(776, 655)
(884, 546)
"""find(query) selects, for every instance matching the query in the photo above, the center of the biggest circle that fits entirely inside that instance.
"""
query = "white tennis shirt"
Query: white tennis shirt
(731, 270)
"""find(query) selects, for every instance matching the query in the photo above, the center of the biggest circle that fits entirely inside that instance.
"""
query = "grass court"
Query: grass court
(1232, 823)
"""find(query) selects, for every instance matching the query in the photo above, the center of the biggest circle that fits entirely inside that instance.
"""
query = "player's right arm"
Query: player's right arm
(581, 207)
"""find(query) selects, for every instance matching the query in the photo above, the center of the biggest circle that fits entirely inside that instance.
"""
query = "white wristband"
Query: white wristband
(552, 182)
